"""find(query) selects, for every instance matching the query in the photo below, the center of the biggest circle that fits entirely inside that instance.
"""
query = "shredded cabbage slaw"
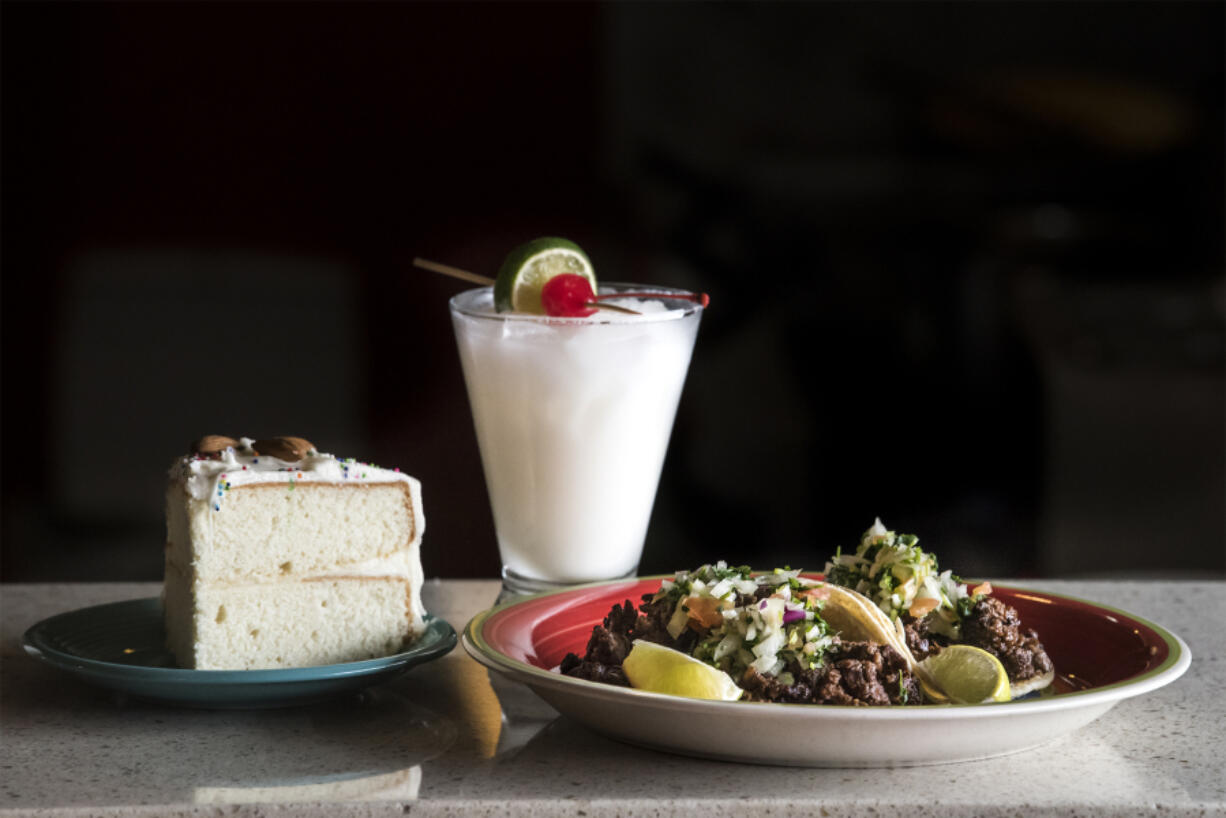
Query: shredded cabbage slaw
(893, 571)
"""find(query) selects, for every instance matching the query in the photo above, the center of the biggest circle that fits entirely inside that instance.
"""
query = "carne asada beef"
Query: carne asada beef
(652, 622)
(996, 627)
(572, 665)
(921, 641)
(918, 640)
(855, 673)
(611, 640)
(606, 649)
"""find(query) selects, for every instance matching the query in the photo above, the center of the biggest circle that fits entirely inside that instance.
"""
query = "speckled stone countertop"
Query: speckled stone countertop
(447, 739)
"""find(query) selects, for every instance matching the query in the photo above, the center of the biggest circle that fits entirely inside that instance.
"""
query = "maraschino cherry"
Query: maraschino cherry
(570, 295)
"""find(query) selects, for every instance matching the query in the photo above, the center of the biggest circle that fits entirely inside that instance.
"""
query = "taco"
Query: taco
(781, 637)
(927, 609)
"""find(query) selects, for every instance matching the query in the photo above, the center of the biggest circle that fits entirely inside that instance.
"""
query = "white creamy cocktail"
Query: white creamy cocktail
(573, 417)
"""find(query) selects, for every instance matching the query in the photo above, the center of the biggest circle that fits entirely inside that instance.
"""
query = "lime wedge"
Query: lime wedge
(964, 675)
(529, 266)
(663, 670)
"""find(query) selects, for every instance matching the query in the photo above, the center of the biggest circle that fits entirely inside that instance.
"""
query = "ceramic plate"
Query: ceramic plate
(122, 646)
(1102, 655)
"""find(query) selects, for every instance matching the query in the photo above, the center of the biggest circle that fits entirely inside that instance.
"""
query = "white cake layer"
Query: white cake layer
(287, 624)
(265, 531)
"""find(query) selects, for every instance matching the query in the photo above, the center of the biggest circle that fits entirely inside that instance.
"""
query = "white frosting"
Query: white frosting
(208, 478)
(397, 564)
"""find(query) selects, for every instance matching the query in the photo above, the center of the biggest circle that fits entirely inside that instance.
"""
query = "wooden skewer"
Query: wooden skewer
(474, 278)
(613, 307)
(454, 272)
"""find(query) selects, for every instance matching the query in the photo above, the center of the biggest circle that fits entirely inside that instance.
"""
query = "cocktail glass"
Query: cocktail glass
(573, 417)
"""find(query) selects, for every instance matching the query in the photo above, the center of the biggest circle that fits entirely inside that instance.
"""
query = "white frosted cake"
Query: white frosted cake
(280, 556)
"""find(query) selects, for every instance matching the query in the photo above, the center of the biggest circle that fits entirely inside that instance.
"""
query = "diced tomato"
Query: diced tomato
(704, 611)
(821, 592)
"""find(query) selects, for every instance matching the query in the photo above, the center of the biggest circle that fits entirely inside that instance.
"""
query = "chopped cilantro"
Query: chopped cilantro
(843, 575)
(887, 583)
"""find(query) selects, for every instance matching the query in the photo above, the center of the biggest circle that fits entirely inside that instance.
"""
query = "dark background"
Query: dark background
(965, 260)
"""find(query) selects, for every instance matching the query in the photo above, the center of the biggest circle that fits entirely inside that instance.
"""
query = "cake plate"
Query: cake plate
(122, 646)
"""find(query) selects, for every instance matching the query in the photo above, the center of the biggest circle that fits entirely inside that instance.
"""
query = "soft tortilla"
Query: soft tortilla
(858, 617)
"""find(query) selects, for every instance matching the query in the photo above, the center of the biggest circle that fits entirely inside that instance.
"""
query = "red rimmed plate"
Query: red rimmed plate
(1102, 656)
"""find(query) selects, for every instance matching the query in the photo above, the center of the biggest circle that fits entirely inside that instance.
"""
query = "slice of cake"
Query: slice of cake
(280, 556)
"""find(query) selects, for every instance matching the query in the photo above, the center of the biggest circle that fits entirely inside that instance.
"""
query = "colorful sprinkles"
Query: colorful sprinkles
(351, 469)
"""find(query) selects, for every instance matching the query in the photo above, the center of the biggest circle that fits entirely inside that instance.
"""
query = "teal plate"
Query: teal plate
(121, 646)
